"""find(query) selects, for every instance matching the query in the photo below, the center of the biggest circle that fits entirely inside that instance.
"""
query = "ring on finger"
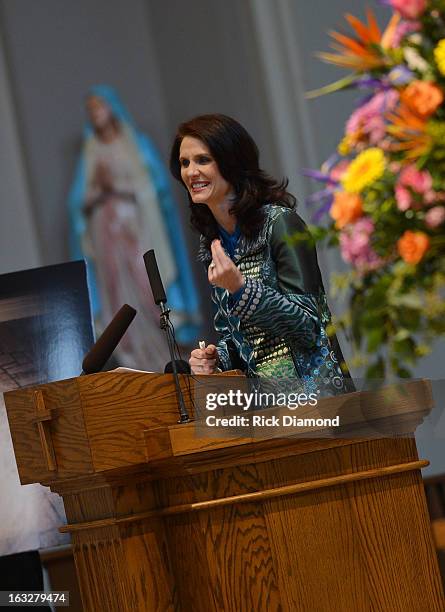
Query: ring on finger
(212, 265)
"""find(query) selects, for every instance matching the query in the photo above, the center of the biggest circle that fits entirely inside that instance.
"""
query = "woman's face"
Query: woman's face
(200, 173)
(99, 113)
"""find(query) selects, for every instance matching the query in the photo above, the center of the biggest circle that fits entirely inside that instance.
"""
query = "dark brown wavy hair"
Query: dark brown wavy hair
(237, 157)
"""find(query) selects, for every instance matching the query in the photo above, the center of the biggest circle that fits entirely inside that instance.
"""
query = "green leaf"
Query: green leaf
(402, 334)
(375, 339)
(371, 319)
(343, 83)
(376, 370)
(402, 372)
(405, 347)
(409, 319)
(410, 300)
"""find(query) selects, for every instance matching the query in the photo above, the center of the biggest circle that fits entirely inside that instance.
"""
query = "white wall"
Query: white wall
(56, 50)
(19, 241)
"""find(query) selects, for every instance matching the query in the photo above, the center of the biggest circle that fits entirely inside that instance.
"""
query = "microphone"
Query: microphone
(182, 367)
(157, 288)
(160, 299)
(101, 351)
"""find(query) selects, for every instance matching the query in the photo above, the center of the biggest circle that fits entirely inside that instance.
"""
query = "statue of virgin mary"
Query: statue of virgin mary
(120, 206)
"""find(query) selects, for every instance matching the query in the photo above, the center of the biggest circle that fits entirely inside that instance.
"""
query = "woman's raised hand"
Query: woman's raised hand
(222, 271)
(204, 361)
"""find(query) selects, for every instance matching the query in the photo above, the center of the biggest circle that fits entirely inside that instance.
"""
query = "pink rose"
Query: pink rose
(355, 245)
(394, 167)
(435, 216)
(403, 29)
(429, 197)
(419, 180)
(411, 184)
(367, 123)
(403, 197)
(409, 9)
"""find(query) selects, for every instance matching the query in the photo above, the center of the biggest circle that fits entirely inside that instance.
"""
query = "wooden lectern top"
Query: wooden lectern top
(115, 420)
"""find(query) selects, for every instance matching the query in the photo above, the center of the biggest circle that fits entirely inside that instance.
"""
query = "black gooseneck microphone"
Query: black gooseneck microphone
(101, 351)
(159, 297)
(157, 288)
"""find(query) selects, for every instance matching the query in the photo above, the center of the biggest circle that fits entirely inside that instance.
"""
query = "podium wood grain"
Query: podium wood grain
(163, 521)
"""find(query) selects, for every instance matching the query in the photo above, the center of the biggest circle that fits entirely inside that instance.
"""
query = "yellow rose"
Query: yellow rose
(439, 55)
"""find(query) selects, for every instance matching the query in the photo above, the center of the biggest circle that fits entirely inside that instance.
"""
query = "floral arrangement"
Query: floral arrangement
(384, 188)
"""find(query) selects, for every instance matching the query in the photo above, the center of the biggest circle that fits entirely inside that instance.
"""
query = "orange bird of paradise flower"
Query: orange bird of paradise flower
(367, 50)
(410, 131)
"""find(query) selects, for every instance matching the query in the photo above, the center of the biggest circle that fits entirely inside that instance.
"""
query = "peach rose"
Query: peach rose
(338, 170)
(422, 97)
(346, 208)
(412, 246)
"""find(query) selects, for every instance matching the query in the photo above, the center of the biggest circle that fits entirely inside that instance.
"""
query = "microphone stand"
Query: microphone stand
(165, 325)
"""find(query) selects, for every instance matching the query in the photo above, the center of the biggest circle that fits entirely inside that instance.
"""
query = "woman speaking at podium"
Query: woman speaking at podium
(270, 306)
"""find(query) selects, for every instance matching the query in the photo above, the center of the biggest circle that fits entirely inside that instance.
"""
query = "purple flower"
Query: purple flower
(367, 82)
(325, 208)
(319, 196)
(400, 75)
(317, 175)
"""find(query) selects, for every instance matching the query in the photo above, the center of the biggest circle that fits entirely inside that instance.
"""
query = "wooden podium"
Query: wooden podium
(163, 520)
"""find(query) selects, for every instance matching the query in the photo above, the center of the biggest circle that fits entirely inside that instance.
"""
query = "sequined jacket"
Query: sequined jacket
(277, 327)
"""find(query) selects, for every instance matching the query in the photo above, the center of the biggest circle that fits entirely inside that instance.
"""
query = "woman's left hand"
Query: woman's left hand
(222, 271)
